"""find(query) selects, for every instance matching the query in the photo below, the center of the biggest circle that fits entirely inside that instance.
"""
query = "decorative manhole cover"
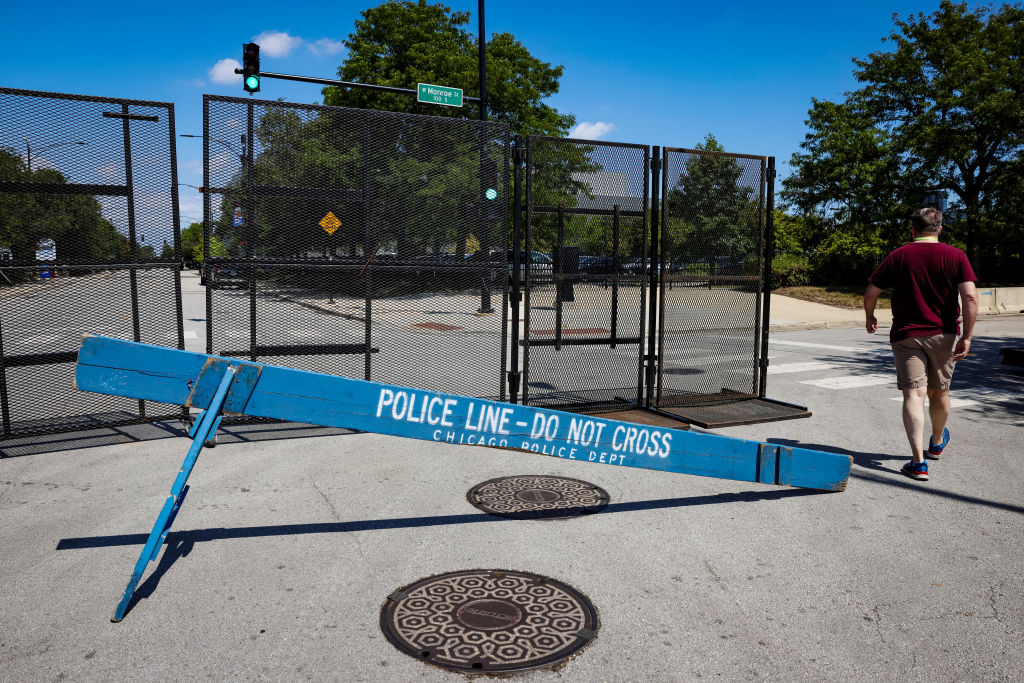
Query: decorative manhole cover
(489, 621)
(538, 497)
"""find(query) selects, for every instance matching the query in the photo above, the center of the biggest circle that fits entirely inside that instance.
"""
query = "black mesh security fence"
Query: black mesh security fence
(88, 244)
(584, 271)
(360, 243)
(712, 242)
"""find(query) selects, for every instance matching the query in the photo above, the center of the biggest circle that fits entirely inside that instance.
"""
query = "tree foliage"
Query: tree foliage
(412, 186)
(709, 213)
(73, 221)
(402, 43)
(942, 111)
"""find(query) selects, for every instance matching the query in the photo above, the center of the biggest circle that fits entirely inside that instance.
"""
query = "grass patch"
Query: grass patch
(840, 296)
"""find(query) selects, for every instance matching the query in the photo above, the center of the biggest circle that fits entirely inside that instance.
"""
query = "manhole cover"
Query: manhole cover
(489, 621)
(538, 497)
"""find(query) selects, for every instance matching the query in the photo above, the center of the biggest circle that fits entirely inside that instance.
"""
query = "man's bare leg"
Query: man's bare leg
(938, 410)
(913, 420)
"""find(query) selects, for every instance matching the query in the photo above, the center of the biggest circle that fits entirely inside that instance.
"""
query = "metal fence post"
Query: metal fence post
(766, 283)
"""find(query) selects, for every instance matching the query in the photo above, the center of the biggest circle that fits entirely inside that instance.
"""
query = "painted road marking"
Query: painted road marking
(954, 402)
(851, 381)
(830, 347)
(786, 368)
(191, 334)
(978, 396)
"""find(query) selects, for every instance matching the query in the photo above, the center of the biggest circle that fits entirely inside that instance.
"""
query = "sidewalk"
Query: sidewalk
(796, 314)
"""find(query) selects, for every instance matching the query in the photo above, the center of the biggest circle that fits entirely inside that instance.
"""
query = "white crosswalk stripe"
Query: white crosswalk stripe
(829, 347)
(787, 368)
(954, 401)
(850, 381)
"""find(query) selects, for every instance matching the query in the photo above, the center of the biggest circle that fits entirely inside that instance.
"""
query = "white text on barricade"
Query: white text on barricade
(460, 420)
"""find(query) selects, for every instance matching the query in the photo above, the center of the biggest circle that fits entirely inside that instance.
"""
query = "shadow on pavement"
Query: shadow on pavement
(870, 461)
(180, 543)
(219, 534)
(153, 431)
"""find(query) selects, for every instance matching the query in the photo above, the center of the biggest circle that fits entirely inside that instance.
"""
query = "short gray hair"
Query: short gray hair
(927, 221)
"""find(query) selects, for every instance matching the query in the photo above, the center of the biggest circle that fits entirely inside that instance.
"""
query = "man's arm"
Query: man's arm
(969, 307)
(870, 299)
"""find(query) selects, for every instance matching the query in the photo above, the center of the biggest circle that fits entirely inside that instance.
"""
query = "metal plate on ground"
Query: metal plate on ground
(489, 621)
(529, 496)
(729, 413)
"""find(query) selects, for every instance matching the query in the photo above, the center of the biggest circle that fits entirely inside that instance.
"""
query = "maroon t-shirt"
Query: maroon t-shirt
(924, 277)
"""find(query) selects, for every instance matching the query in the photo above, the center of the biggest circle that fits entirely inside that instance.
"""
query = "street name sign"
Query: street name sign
(439, 94)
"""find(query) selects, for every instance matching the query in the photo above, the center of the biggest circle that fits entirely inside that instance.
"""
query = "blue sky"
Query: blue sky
(658, 73)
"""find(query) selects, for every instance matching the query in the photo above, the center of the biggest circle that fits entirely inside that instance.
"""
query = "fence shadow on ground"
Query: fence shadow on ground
(269, 430)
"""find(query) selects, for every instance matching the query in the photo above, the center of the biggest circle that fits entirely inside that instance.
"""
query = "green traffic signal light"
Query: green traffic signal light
(491, 193)
(251, 67)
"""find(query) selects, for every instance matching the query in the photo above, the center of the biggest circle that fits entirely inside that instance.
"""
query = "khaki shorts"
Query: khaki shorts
(924, 361)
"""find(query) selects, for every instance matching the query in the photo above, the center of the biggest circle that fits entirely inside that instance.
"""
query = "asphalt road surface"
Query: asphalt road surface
(291, 538)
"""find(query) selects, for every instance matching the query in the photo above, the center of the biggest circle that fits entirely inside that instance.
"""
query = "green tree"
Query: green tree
(74, 222)
(942, 111)
(402, 43)
(710, 214)
(192, 243)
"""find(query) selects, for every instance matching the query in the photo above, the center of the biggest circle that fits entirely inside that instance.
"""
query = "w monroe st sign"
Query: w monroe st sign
(439, 94)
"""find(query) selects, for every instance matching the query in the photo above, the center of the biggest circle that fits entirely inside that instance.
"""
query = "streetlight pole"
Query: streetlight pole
(28, 149)
(241, 155)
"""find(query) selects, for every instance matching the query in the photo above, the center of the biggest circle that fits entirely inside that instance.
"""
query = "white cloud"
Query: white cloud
(276, 43)
(591, 131)
(224, 71)
(326, 47)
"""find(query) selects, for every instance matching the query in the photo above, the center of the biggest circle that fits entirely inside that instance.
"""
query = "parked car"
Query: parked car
(224, 277)
(541, 265)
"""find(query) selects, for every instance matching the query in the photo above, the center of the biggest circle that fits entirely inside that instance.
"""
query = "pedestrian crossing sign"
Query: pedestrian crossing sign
(330, 223)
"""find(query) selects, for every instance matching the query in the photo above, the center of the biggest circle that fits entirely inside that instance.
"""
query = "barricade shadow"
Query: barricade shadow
(870, 461)
(180, 543)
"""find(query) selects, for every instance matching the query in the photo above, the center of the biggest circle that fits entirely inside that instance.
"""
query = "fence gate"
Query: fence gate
(360, 243)
(88, 243)
(584, 271)
(713, 306)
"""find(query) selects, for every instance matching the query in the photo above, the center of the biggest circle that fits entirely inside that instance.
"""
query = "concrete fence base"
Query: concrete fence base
(1001, 300)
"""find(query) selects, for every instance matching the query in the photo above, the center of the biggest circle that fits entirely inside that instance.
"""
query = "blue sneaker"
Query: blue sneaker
(916, 470)
(935, 449)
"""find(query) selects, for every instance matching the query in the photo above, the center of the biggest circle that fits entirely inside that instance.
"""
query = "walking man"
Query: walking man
(926, 277)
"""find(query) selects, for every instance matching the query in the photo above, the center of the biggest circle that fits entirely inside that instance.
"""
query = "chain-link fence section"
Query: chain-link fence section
(584, 273)
(361, 243)
(712, 246)
(88, 244)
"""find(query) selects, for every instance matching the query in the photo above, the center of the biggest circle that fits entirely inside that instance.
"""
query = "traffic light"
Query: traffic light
(251, 67)
(489, 175)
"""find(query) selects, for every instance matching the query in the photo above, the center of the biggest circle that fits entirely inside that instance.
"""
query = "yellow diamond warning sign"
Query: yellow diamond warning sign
(330, 223)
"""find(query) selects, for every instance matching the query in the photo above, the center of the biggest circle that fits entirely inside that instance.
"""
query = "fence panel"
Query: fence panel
(712, 246)
(360, 243)
(584, 273)
(88, 243)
